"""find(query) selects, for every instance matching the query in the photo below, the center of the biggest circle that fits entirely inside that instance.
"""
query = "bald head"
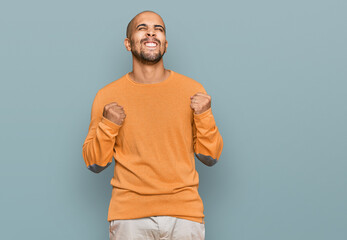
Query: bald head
(131, 23)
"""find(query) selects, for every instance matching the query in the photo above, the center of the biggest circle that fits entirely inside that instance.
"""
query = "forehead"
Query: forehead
(148, 18)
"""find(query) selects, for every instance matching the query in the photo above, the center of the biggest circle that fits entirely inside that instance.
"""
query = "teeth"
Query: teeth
(151, 44)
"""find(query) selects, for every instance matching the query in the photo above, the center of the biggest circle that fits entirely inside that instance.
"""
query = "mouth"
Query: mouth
(151, 44)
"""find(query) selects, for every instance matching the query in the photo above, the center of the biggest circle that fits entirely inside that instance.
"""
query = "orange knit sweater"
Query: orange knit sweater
(154, 148)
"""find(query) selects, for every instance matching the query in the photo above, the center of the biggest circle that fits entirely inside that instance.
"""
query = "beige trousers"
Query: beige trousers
(156, 228)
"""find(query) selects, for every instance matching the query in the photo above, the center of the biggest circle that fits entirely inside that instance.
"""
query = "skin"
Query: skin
(146, 71)
(148, 65)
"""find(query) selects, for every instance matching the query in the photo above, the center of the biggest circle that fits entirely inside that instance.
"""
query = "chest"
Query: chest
(153, 115)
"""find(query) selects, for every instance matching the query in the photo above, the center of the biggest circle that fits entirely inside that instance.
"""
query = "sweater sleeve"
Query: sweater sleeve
(208, 142)
(98, 146)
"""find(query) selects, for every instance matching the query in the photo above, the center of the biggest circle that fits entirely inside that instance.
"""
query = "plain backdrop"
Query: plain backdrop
(277, 74)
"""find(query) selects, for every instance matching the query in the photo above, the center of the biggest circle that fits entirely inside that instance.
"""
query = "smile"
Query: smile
(151, 44)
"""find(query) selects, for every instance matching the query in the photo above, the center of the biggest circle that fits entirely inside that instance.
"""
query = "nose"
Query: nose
(150, 32)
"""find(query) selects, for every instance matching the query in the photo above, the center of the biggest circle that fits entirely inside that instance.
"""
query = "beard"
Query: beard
(147, 57)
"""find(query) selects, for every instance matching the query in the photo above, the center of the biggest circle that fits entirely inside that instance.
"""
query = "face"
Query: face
(148, 41)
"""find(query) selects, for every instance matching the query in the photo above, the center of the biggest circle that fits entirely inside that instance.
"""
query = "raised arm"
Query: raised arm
(98, 146)
(208, 142)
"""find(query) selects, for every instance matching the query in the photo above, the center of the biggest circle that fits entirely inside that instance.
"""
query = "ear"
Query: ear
(127, 44)
(166, 44)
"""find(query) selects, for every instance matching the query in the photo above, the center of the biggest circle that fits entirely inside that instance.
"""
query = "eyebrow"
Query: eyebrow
(145, 25)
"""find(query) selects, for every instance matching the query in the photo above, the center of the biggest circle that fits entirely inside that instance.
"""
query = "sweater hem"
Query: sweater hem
(126, 204)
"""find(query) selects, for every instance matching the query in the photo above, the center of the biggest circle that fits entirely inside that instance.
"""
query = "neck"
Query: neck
(144, 73)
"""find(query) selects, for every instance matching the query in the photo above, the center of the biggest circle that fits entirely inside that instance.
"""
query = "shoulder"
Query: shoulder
(113, 87)
(186, 80)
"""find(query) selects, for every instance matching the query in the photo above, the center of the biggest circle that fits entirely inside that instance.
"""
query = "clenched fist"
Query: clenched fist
(200, 102)
(114, 113)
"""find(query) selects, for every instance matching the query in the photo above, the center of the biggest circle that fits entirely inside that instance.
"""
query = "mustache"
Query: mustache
(153, 39)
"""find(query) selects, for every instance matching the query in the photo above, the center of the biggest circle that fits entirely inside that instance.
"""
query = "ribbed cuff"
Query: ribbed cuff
(111, 127)
(203, 114)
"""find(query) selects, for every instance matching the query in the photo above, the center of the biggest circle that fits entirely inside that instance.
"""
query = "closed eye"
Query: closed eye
(160, 29)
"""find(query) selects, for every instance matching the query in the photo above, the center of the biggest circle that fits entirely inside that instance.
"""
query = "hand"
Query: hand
(114, 113)
(200, 102)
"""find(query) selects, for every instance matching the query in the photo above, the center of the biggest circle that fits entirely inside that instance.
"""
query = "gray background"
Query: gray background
(276, 71)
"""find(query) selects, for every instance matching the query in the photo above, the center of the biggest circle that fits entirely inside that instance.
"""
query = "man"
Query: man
(152, 121)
